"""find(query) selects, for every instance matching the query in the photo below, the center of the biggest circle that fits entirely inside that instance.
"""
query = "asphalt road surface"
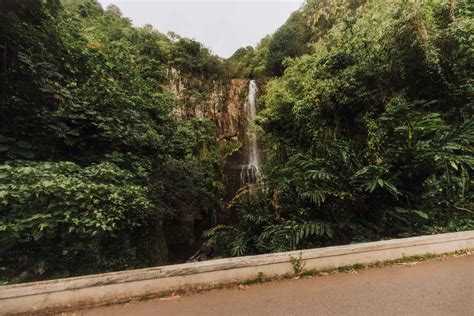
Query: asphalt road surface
(443, 287)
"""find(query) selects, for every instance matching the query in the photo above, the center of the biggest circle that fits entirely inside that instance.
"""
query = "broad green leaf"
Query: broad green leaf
(421, 214)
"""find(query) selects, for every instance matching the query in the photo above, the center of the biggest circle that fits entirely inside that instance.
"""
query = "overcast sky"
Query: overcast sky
(221, 25)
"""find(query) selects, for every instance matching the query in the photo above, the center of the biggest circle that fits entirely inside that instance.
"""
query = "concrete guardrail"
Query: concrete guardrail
(99, 289)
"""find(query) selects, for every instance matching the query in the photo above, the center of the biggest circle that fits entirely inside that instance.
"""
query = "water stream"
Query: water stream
(250, 171)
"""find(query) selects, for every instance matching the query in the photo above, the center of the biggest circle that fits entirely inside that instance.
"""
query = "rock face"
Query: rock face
(230, 121)
(221, 101)
(231, 105)
(224, 102)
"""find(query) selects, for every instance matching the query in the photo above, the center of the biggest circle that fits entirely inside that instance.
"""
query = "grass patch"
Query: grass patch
(259, 279)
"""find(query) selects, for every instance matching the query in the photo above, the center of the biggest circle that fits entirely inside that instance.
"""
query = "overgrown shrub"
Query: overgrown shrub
(60, 218)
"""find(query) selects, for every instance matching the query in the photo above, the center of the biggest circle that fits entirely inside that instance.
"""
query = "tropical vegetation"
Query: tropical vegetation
(368, 127)
(366, 122)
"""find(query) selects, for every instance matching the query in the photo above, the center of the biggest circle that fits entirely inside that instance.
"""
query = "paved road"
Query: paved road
(426, 288)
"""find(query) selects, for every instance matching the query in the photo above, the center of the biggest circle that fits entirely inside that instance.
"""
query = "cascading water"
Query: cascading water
(251, 171)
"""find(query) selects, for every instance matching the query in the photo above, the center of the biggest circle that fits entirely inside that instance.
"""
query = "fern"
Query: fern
(305, 230)
(316, 197)
(238, 246)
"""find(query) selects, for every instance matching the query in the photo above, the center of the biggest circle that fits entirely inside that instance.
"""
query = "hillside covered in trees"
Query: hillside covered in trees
(108, 161)
(368, 126)
(94, 163)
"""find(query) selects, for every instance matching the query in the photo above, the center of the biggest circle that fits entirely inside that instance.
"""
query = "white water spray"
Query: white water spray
(251, 171)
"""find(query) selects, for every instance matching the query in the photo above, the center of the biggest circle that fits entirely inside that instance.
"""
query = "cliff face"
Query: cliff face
(230, 119)
(221, 101)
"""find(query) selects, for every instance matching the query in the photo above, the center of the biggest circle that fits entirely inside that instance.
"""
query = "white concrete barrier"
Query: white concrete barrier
(98, 289)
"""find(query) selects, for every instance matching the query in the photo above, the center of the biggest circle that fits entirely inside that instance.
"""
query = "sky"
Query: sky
(223, 26)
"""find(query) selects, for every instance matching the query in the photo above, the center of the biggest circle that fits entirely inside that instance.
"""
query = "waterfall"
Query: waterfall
(251, 170)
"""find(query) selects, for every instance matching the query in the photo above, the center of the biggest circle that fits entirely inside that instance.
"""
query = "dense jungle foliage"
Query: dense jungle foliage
(366, 120)
(369, 132)
(97, 174)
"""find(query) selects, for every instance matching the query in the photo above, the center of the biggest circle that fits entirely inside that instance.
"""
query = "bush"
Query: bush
(60, 218)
